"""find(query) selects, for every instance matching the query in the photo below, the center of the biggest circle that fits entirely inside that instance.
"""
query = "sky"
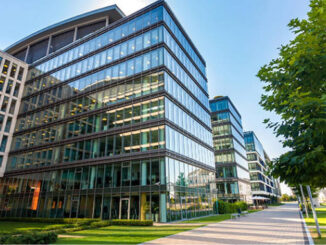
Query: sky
(235, 37)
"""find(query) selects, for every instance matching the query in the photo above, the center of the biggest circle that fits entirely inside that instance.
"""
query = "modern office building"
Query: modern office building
(263, 186)
(114, 121)
(12, 76)
(232, 174)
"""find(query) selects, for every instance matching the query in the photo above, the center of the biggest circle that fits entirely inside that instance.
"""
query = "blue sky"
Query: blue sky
(236, 37)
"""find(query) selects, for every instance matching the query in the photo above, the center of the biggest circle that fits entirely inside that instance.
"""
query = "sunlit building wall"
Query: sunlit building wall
(262, 184)
(232, 175)
(12, 76)
(114, 121)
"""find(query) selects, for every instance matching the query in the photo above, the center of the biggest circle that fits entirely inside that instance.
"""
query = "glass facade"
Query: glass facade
(232, 174)
(115, 127)
(261, 183)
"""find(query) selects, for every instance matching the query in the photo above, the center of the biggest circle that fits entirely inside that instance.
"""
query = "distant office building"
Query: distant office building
(114, 121)
(232, 174)
(12, 76)
(263, 186)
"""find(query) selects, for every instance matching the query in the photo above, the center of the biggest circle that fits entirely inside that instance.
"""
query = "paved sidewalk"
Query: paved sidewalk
(279, 225)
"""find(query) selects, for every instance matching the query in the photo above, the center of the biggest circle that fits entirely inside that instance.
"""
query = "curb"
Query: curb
(310, 240)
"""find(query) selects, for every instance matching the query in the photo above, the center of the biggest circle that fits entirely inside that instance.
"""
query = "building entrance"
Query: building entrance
(124, 212)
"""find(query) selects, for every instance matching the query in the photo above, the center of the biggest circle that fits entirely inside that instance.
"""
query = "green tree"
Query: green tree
(285, 198)
(295, 89)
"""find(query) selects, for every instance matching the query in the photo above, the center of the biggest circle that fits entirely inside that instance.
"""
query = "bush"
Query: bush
(51, 220)
(242, 205)
(30, 238)
(132, 222)
(226, 207)
(302, 208)
(100, 224)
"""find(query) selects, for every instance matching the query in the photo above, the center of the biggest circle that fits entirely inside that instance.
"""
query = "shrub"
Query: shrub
(100, 224)
(30, 238)
(51, 220)
(132, 222)
(242, 205)
(226, 208)
(302, 208)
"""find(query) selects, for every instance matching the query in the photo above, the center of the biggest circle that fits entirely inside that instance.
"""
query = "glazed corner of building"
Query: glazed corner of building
(42, 46)
(79, 28)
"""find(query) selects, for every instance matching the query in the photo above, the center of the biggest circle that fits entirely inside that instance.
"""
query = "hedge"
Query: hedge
(303, 209)
(132, 222)
(226, 207)
(30, 238)
(51, 220)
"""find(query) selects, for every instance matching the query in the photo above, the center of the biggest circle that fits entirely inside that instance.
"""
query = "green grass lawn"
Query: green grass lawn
(122, 234)
(17, 227)
(209, 219)
(275, 204)
(317, 240)
(321, 214)
(214, 218)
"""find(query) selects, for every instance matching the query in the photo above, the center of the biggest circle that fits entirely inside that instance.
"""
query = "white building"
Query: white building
(12, 76)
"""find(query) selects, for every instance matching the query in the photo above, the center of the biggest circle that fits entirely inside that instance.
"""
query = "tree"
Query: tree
(285, 198)
(295, 89)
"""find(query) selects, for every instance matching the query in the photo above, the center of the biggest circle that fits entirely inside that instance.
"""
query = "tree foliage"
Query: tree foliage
(295, 89)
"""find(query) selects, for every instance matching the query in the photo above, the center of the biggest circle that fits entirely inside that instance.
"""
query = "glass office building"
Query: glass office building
(114, 122)
(232, 175)
(262, 184)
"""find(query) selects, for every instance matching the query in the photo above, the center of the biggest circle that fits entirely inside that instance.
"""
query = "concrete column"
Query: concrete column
(143, 206)
(26, 55)
(49, 45)
(75, 33)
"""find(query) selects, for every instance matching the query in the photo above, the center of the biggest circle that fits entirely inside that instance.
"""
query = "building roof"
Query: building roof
(113, 11)
(222, 97)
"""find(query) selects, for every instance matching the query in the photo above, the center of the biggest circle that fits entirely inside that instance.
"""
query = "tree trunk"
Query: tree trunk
(304, 201)
(313, 211)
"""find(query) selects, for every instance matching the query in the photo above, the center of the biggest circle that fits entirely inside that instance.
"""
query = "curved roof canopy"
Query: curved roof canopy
(112, 11)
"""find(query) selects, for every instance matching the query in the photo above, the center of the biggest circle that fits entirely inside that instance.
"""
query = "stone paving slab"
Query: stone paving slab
(275, 225)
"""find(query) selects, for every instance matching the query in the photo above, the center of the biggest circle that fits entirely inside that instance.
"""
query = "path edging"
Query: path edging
(310, 240)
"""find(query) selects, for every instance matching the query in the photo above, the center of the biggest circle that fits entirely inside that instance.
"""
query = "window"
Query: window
(1, 157)
(5, 104)
(2, 82)
(16, 90)
(6, 67)
(20, 73)
(12, 107)
(13, 70)
(3, 143)
(2, 117)
(252, 157)
(9, 86)
(8, 125)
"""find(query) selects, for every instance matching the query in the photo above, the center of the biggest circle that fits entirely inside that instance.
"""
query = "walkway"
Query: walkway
(279, 225)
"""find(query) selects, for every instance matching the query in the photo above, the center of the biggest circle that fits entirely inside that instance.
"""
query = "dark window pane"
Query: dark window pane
(21, 55)
(3, 143)
(61, 40)
(37, 51)
(85, 30)
(13, 70)
(8, 124)
(5, 67)
(20, 73)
